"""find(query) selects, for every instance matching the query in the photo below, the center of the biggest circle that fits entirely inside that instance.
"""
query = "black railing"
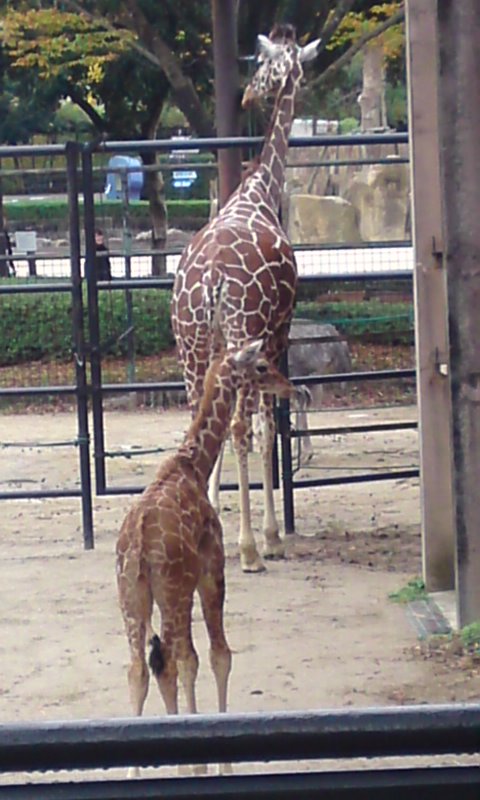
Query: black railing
(401, 733)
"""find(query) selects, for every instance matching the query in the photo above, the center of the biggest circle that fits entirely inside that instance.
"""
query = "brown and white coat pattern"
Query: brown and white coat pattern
(239, 276)
(170, 544)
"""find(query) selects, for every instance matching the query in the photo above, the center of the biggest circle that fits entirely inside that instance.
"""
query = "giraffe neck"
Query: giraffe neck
(203, 440)
(273, 157)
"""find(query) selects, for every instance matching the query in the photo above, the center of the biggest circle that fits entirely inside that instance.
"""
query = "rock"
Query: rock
(313, 358)
(316, 220)
(316, 358)
(380, 194)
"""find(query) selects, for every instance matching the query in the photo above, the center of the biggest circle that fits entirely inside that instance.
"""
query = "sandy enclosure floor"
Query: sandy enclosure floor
(316, 630)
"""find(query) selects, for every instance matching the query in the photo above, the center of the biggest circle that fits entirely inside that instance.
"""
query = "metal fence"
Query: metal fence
(70, 268)
(397, 733)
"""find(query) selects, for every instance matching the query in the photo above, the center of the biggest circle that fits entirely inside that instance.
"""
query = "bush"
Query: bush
(40, 327)
(368, 319)
(53, 214)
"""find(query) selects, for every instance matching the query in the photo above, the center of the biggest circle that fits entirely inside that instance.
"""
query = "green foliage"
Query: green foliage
(414, 590)
(34, 327)
(396, 99)
(39, 327)
(151, 320)
(53, 214)
(349, 125)
(393, 320)
(70, 120)
(470, 637)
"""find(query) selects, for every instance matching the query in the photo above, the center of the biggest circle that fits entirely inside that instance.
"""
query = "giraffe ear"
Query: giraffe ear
(249, 354)
(265, 45)
(310, 51)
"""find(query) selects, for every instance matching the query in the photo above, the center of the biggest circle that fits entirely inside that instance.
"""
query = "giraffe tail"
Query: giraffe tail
(156, 661)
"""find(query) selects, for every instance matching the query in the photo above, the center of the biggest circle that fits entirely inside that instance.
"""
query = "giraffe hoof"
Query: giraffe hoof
(252, 565)
(274, 550)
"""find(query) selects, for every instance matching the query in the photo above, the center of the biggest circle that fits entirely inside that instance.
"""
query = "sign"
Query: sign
(183, 179)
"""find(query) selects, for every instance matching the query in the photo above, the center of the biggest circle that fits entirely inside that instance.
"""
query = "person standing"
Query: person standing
(103, 270)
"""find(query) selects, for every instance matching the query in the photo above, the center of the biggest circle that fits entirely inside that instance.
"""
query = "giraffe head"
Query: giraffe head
(250, 364)
(279, 56)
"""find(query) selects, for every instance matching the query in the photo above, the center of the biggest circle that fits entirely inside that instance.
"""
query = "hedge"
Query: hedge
(49, 213)
(39, 327)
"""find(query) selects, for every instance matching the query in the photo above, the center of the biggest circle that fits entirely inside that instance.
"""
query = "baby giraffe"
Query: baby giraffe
(170, 544)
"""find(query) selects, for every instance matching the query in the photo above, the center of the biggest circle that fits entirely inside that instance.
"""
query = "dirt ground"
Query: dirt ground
(316, 630)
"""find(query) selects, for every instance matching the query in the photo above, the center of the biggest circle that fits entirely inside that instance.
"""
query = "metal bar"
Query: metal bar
(32, 391)
(367, 477)
(224, 487)
(247, 141)
(284, 429)
(286, 736)
(32, 150)
(440, 783)
(339, 377)
(72, 152)
(34, 495)
(167, 283)
(304, 380)
(373, 428)
(93, 320)
(34, 288)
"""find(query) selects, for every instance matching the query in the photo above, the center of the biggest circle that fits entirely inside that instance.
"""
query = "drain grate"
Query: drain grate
(427, 619)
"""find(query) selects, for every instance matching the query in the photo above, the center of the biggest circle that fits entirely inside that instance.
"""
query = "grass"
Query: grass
(414, 590)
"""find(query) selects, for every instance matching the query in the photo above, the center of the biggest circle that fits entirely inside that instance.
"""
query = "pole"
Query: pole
(225, 59)
(430, 292)
(79, 344)
(459, 90)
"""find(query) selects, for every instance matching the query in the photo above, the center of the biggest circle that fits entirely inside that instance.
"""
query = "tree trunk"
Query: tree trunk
(158, 213)
(372, 99)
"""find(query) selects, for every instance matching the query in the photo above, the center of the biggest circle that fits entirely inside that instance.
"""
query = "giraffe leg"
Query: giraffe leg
(249, 558)
(214, 482)
(211, 589)
(304, 447)
(273, 545)
(136, 607)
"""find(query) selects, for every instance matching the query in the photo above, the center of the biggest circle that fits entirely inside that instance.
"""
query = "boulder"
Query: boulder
(316, 220)
(316, 358)
(380, 193)
(313, 358)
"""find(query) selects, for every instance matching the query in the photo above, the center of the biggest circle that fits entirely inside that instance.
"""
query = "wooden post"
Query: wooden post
(459, 93)
(432, 348)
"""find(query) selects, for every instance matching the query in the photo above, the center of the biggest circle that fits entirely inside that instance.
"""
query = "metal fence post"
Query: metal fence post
(79, 343)
(283, 415)
(93, 321)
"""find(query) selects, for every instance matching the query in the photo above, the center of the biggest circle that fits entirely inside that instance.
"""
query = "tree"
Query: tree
(121, 61)
(378, 32)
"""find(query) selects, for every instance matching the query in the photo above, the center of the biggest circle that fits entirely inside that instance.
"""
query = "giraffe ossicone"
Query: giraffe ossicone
(170, 544)
(236, 281)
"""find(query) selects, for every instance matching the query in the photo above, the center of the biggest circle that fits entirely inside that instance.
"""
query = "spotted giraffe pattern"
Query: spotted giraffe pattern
(170, 544)
(238, 277)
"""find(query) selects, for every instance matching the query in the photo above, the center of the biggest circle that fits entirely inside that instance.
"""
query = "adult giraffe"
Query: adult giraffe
(238, 275)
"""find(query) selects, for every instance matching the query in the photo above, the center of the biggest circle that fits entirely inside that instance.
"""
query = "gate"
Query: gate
(79, 390)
